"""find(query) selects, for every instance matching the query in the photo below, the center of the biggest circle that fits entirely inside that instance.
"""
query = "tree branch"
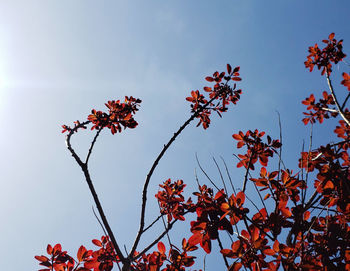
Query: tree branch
(92, 145)
(85, 170)
(155, 164)
(170, 225)
(340, 111)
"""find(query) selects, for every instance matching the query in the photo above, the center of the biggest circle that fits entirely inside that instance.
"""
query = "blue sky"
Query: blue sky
(60, 59)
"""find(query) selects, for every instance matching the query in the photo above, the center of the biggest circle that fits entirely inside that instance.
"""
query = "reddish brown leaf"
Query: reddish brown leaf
(161, 248)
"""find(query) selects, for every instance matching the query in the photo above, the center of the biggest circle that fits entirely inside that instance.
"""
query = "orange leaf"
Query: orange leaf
(269, 251)
(49, 249)
(237, 136)
(207, 89)
(227, 252)
(306, 215)
(245, 234)
(80, 253)
(195, 239)
(276, 246)
(286, 212)
(41, 258)
(161, 248)
(240, 198)
(329, 185)
(236, 245)
(255, 234)
(97, 242)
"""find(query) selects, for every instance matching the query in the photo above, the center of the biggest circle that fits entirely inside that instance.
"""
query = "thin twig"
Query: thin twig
(155, 164)
(204, 262)
(340, 111)
(150, 225)
(256, 225)
(329, 109)
(247, 172)
(85, 170)
(229, 176)
(206, 175)
(222, 178)
(261, 199)
(196, 176)
(318, 216)
(344, 103)
(303, 192)
(280, 151)
(92, 145)
(170, 225)
(165, 227)
(221, 248)
(99, 221)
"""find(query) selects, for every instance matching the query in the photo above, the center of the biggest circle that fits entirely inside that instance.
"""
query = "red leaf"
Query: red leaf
(80, 253)
(229, 68)
(41, 258)
(329, 185)
(227, 252)
(97, 242)
(306, 215)
(267, 196)
(255, 234)
(269, 251)
(276, 246)
(161, 248)
(57, 248)
(195, 239)
(236, 69)
(237, 136)
(209, 79)
(49, 249)
(240, 198)
(286, 212)
(236, 79)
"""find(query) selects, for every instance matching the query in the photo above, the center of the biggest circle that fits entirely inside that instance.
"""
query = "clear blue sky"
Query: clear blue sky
(60, 59)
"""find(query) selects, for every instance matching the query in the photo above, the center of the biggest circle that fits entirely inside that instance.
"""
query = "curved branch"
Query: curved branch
(92, 145)
(155, 164)
(85, 170)
(170, 225)
(150, 225)
(340, 110)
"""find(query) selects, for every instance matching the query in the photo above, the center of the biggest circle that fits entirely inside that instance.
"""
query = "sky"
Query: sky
(60, 59)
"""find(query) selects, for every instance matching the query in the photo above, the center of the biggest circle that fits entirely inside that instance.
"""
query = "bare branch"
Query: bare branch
(206, 175)
(99, 221)
(170, 225)
(329, 109)
(155, 164)
(150, 225)
(340, 110)
(85, 170)
(229, 176)
(92, 145)
(247, 172)
(346, 99)
(221, 248)
(222, 179)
